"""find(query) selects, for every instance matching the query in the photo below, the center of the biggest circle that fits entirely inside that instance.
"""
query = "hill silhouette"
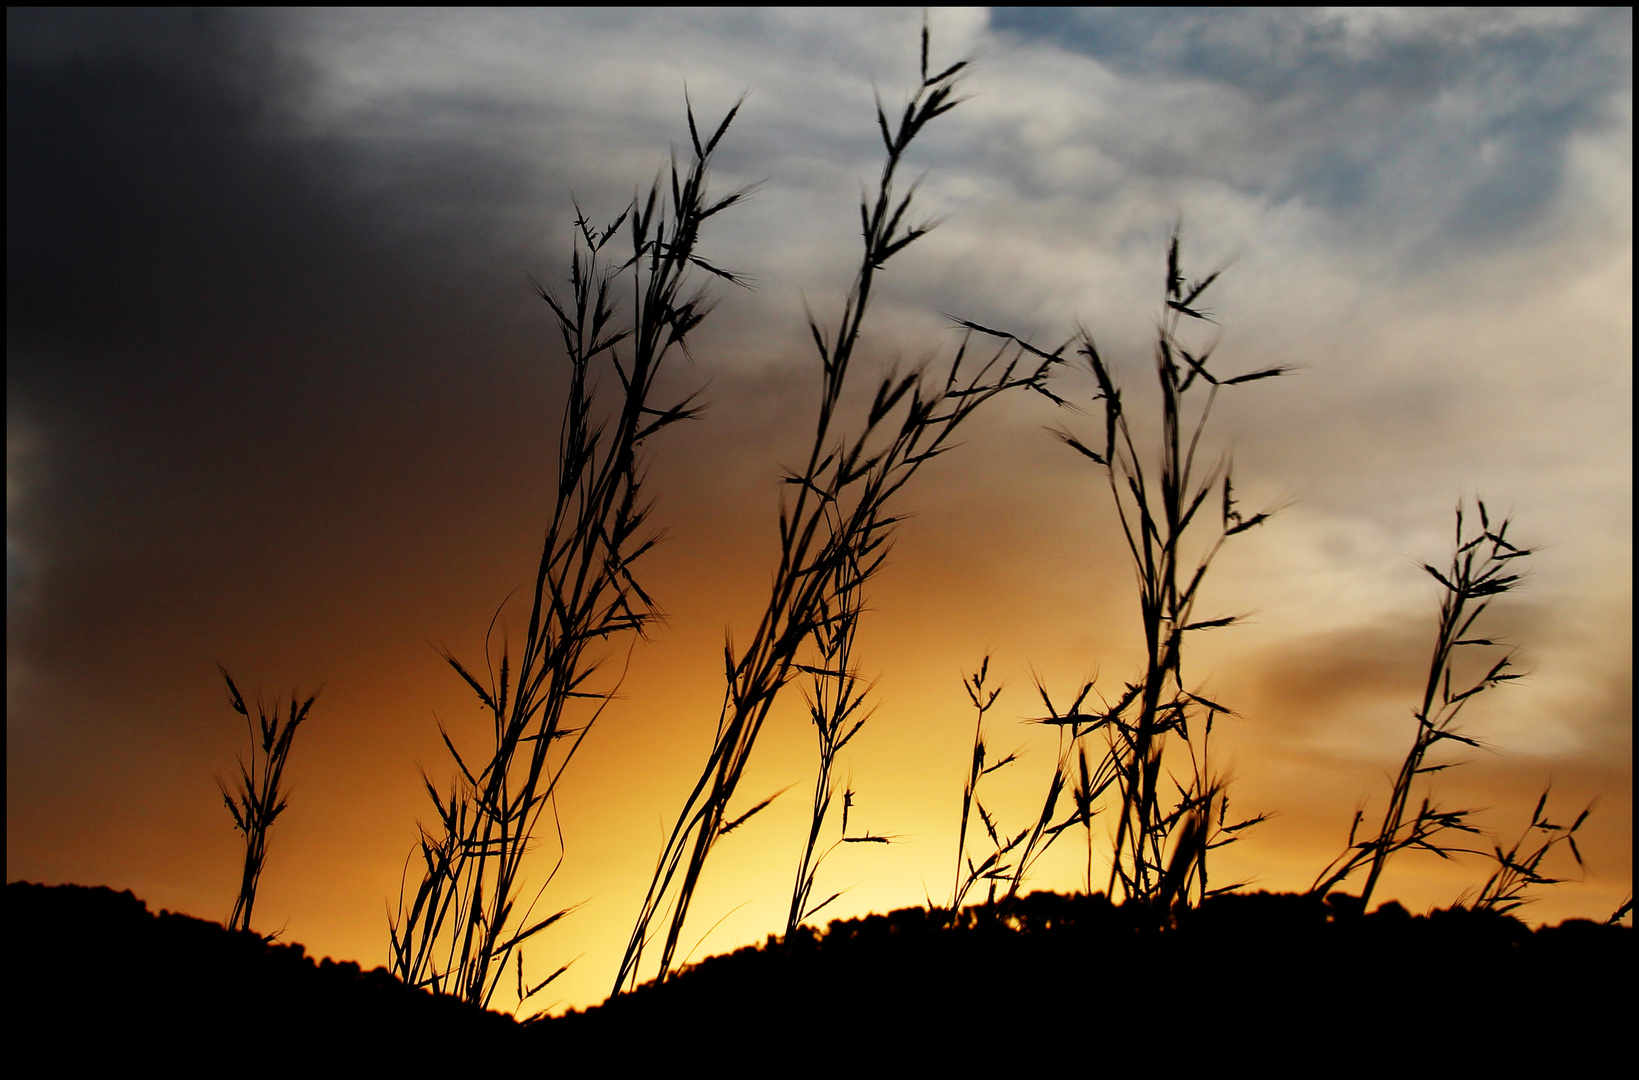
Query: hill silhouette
(1279, 976)
(1268, 980)
(107, 983)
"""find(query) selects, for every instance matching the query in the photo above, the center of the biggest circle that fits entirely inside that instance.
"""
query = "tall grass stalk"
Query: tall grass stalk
(469, 916)
(258, 799)
(993, 868)
(1481, 569)
(835, 529)
(836, 705)
(1158, 500)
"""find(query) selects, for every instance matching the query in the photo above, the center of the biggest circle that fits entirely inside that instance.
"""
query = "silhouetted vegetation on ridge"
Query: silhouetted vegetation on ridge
(930, 985)
(105, 979)
(109, 981)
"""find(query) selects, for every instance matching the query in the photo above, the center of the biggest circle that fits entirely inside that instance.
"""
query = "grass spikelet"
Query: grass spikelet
(258, 797)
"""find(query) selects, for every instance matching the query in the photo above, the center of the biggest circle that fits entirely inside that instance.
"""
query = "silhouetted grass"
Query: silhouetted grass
(1158, 497)
(463, 930)
(833, 533)
(469, 916)
(836, 701)
(1481, 568)
(1518, 870)
(257, 800)
(993, 868)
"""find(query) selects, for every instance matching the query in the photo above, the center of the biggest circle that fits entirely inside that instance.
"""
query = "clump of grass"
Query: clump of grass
(994, 867)
(1012, 857)
(469, 917)
(1517, 871)
(1481, 569)
(257, 799)
(836, 705)
(835, 530)
(1158, 500)
(1087, 786)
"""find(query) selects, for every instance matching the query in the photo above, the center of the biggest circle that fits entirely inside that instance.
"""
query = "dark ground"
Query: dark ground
(1274, 984)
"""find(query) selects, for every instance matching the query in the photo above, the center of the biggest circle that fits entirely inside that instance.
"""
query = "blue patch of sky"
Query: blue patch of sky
(1359, 117)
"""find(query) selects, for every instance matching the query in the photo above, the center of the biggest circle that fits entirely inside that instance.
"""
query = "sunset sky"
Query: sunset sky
(279, 396)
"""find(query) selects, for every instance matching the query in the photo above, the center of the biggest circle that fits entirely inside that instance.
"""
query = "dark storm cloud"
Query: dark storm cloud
(155, 206)
(1345, 113)
(226, 347)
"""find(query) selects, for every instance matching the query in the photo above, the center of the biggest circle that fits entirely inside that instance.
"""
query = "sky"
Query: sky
(279, 396)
